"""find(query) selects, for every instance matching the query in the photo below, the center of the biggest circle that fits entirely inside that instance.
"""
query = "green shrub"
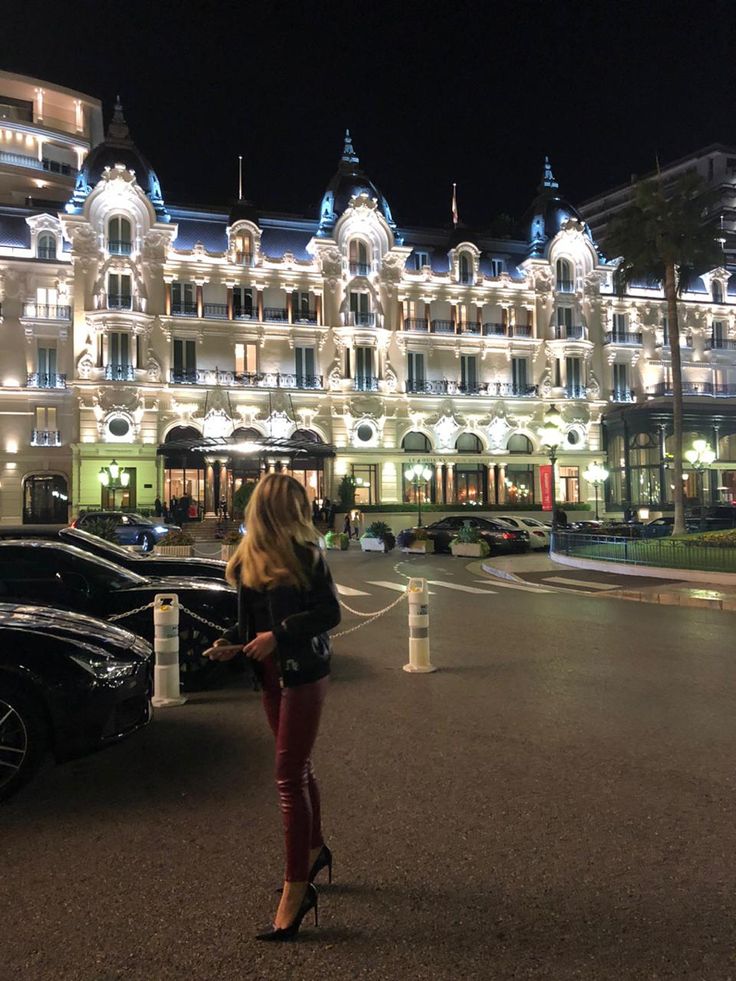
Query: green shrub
(232, 538)
(377, 529)
(346, 492)
(103, 528)
(177, 538)
(337, 539)
(466, 535)
(240, 499)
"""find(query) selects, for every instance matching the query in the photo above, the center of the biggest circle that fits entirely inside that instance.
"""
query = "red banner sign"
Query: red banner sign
(545, 477)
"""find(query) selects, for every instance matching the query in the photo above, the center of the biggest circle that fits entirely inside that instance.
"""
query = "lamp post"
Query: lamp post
(551, 436)
(113, 478)
(700, 457)
(418, 475)
(596, 475)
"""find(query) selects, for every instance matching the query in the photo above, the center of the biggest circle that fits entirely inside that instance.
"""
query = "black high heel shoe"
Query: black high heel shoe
(323, 860)
(280, 934)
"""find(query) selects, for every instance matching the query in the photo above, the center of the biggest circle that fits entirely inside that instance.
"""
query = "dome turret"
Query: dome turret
(348, 182)
(548, 213)
(117, 148)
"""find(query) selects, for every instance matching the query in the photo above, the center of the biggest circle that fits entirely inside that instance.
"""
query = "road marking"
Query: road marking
(518, 585)
(457, 585)
(349, 591)
(399, 587)
(579, 582)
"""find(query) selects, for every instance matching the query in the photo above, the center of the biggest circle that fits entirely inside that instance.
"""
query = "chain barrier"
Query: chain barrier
(371, 616)
(130, 613)
(184, 609)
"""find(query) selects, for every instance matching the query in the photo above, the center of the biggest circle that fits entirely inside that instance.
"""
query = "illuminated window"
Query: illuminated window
(119, 292)
(465, 268)
(717, 291)
(242, 303)
(183, 299)
(366, 482)
(46, 248)
(419, 260)
(563, 272)
(119, 236)
(243, 247)
(358, 254)
(245, 359)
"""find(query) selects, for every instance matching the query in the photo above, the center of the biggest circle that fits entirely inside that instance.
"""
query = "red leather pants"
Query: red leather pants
(294, 714)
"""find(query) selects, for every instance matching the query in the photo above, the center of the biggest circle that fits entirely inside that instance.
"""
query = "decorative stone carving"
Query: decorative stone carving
(390, 379)
(155, 249)
(334, 379)
(85, 364)
(498, 431)
(593, 391)
(153, 369)
(85, 248)
(546, 385)
(445, 430)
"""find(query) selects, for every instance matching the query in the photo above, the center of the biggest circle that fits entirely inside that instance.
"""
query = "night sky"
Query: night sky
(432, 92)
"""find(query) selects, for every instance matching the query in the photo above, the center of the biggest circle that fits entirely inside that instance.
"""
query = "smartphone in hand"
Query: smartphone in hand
(223, 652)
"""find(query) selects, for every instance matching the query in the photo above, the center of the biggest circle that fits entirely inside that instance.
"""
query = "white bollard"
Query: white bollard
(166, 690)
(418, 595)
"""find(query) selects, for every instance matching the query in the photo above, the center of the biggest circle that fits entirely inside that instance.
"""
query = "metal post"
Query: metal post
(595, 488)
(166, 690)
(418, 595)
(553, 460)
(419, 504)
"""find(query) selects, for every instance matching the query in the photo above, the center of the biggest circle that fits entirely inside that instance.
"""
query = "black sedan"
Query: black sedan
(63, 576)
(69, 684)
(500, 536)
(145, 565)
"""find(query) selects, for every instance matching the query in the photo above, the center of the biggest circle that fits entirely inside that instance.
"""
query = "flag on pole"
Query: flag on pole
(454, 204)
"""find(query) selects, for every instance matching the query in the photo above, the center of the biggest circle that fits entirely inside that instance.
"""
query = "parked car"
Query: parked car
(63, 576)
(69, 684)
(500, 536)
(716, 517)
(144, 564)
(131, 529)
(539, 532)
(662, 527)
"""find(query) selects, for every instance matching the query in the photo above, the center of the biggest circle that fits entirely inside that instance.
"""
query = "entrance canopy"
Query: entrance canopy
(250, 444)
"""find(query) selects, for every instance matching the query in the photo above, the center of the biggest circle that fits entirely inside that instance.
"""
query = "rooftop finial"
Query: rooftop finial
(348, 153)
(548, 179)
(118, 130)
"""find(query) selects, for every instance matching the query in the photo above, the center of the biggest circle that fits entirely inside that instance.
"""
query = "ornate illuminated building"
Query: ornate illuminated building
(198, 347)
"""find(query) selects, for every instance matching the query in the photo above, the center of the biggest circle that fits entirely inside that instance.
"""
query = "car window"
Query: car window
(83, 538)
(441, 526)
(48, 559)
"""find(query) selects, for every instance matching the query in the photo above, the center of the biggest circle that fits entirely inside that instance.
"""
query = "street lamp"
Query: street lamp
(700, 458)
(551, 436)
(114, 478)
(596, 475)
(418, 475)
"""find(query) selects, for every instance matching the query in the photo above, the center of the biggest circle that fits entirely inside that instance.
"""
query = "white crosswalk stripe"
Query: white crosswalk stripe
(349, 591)
(517, 585)
(399, 587)
(461, 588)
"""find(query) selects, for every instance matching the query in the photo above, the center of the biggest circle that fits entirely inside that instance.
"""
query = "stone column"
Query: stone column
(318, 309)
(290, 306)
(209, 489)
(439, 483)
(230, 305)
(199, 299)
(167, 299)
(259, 302)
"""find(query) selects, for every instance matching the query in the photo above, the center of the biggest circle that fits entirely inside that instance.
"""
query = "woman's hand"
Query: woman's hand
(261, 647)
(223, 650)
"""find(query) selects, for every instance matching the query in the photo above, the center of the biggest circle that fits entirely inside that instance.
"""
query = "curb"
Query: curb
(502, 574)
(649, 571)
(703, 601)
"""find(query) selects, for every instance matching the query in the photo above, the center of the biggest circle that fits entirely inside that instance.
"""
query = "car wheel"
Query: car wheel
(146, 541)
(23, 739)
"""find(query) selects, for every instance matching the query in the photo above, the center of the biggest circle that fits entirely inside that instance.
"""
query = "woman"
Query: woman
(286, 603)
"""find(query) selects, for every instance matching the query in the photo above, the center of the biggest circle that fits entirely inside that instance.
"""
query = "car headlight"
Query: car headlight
(161, 529)
(105, 670)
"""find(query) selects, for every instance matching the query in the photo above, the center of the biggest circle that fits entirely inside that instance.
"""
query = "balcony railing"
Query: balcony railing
(513, 390)
(244, 258)
(33, 163)
(521, 330)
(565, 286)
(365, 384)
(469, 327)
(361, 318)
(215, 311)
(623, 395)
(247, 379)
(694, 388)
(119, 246)
(622, 337)
(494, 330)
(443, 327)
(574, 391)
(448, 386)
(569, 332)
(46, 311)
(119, 301)
(45, 437)
(119, 372)
(720, 344)
(359, 268)
(246, 313)
(184, 309)
(416, 324)
(41, 379)
(278, 314)
(305, 317)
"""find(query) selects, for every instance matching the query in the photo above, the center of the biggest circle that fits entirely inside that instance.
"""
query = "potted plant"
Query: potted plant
(337, 540)
(469, 543)
(415, 541)
(178, 543)
(377, 537)
(229, 543)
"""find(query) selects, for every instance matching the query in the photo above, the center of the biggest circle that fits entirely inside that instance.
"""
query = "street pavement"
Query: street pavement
(555, 802)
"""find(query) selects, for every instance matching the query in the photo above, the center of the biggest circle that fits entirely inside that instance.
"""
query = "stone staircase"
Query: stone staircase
(209, 529)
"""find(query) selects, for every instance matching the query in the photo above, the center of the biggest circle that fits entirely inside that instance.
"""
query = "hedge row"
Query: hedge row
(470, 508)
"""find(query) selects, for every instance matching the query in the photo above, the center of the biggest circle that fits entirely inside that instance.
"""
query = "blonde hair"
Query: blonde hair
(277, 518)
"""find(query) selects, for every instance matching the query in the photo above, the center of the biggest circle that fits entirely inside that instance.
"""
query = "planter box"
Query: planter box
(337, 547)
(180, 551)
(469, 550)
(373, 544)
(227, 552)
(420, 548)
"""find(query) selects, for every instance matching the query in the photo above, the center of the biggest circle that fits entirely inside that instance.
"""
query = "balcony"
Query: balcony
(45, 311)
(119, 301)
(246, 313)
(494, 330)
(443, 327)
(45, 437)
(39, 379)
(360, 318)
(184, 309)
(305, 317)
(622, 395)
(247, 379)
(244, 258)
(575, 392)
(469, 327)
(365, 384)
(694, 389)
(513, 390)
(447, 386)
(119, 372)
(565, 286)
(569, 332)
(720, 344)
(359, 269)
(215, 311)
(521, 330)
(119, 246)
(416, 325)
(278, 314)
(622, 337)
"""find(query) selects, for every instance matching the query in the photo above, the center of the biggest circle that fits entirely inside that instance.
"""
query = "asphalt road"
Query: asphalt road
(555, 802)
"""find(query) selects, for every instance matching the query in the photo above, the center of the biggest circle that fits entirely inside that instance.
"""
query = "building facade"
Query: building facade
(199, 347)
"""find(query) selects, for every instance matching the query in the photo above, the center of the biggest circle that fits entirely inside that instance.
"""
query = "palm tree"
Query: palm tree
(662, 236)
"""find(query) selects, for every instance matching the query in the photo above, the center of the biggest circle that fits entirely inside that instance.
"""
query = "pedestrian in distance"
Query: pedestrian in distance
(157, 509)
(223, 508)
(315, 511)
(287, 602)
(561, 518)
(346, 529)
(356, 524)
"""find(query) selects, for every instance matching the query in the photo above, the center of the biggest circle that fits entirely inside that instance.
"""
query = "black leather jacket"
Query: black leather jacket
(299, 618)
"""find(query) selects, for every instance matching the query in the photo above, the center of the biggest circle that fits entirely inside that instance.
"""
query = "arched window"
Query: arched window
(519, 444)
(46, 246)
(468, 443)
(563, 274)
(717, 291)
(465, 268)
(45, 499)
(243, 246)
(306, 436)
(358, 256)
(119, 236)
(415, 442)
